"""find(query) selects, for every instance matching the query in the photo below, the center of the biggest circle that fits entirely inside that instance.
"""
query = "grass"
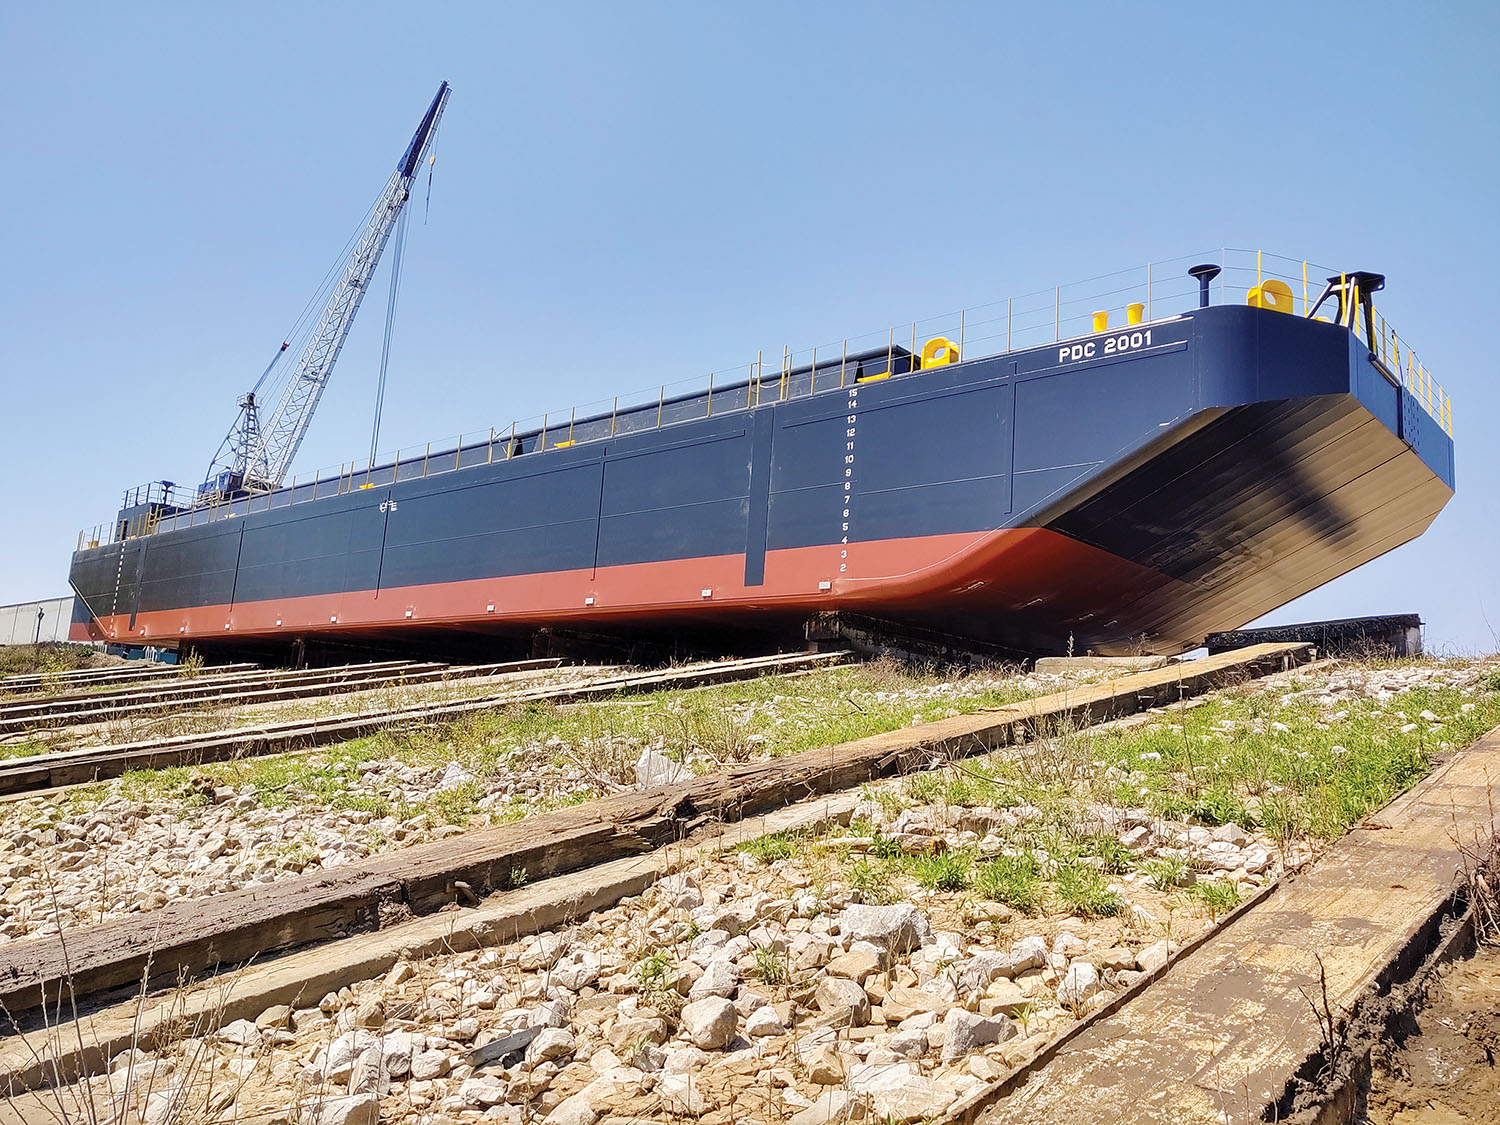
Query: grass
(710, 726)
(27, 748)
(948, 871)
(1253, 758)
(1167, 872)
(1015, 881)
(769, 848)
(1216, 896)
(1083, 890)
(871, 880)
(771, 967)
(50, 658)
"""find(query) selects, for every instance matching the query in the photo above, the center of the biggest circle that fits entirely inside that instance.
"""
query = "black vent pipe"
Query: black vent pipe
(1205, 274)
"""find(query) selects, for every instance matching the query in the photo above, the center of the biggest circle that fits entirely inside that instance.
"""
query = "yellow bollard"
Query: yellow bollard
(1101, 321)
(1134, 312)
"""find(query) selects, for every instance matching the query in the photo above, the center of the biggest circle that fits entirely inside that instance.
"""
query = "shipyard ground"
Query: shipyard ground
(1052, 876)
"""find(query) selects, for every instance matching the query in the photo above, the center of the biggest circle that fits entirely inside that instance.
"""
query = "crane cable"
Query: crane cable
(398, 256)
(319, 298)
(431, 163)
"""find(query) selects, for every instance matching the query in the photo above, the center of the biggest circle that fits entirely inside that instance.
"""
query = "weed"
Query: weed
(652, 971)
(1085, 892)
(1167, 871)
(771, 966)
(456, 804)
(884, 847)
(924, 788)
(947, 871)
(770, 848)
(1217, 896)
(872, 882)
(1116, 857)
(1012, 880)
(190, 667)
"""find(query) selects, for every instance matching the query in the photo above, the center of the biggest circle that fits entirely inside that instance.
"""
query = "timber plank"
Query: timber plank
(1223, 1033)
(179, 938)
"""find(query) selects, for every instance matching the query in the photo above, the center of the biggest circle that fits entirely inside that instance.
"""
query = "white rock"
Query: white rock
(1232, 834)
(1153, 957)
(576, 1110)
(720, 978)
(352, 1109)
(834, 1106)
(895, 929)
(482, 1092)
(161, 1105)
(653, 769)
(551, 1013)
(396, 1053)
(1029, 953)
(427, 1065)
(1068, 945)
(1080, 982)
(454, 776)
(542, 950)
(338, 1064)
(242, 1033)
(839, 996)
(964, 1032)
(982, 968)
(764, 1022)
(551, 1043)
(710, 1022)
(679, 1093)
(909, 1042)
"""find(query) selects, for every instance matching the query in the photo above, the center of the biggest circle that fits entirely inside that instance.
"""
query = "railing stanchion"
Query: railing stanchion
(661, 401)
(489, 454)
(710, 411)
(890, 351)
(911, 362)
(542, 444)
(812, 379)
(962, 318)
(843, 361)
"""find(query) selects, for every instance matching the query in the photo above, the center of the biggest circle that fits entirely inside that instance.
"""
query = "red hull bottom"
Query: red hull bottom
(1001, 585)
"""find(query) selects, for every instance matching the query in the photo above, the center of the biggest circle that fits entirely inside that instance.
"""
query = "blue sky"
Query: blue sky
(632, 193)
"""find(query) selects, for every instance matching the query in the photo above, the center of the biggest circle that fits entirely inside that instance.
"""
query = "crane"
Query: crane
(259, 447)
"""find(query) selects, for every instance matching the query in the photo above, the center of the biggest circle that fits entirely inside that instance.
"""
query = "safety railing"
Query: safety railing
(1141, 295)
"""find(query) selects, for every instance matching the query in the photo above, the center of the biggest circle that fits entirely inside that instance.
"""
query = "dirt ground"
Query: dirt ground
(1447, 1073)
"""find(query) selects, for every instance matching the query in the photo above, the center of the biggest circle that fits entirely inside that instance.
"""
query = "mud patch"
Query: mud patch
(1444, 1071)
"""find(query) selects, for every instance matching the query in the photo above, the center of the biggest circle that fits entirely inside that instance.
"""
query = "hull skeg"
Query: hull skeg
(1237, 460)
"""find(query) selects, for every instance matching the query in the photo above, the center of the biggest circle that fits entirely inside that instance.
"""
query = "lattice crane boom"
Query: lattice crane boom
(259, 448)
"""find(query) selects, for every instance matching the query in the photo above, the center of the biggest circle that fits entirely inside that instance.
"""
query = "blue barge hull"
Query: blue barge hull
(1124, 492)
